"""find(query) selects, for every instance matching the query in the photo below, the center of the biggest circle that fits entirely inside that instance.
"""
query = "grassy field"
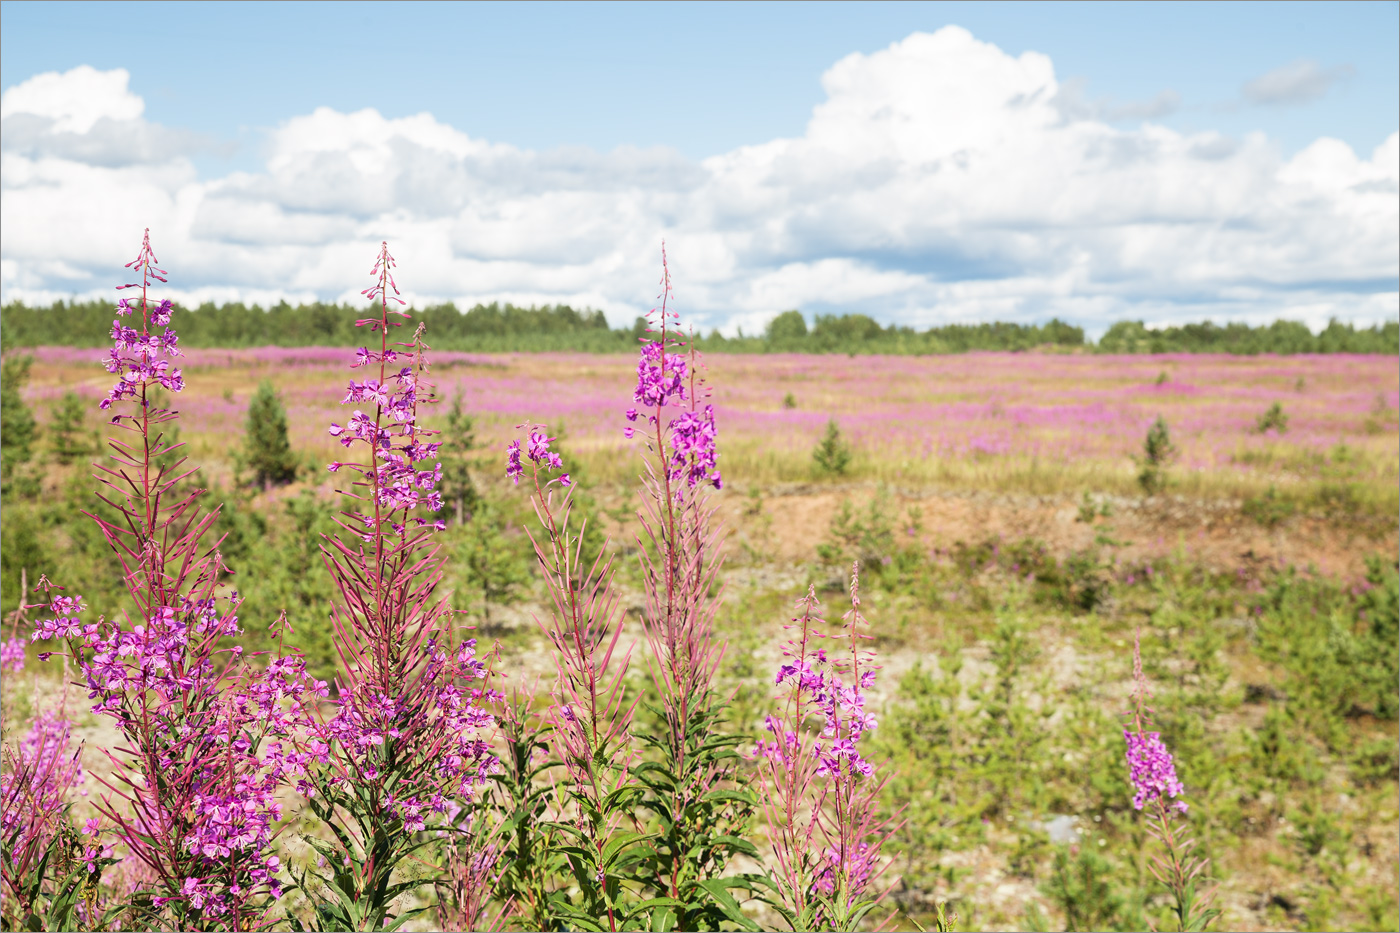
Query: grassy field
(1011, 557)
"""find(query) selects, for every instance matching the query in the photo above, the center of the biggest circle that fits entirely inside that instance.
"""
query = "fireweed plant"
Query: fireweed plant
(821, 796)
(589, 719)
(1156, 792)
(670, 875)
(46, 875)
(406, 748)
(210, 739)
(691, 781)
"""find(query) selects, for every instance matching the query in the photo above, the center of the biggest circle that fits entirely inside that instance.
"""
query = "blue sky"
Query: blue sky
(690, 115)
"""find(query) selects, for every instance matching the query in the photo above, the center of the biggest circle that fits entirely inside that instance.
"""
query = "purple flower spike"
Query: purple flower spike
(514, 468)
(1151, 770)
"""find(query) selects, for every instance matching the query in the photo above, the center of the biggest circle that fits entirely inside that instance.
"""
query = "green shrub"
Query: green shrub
(1158, 451)
(1274, 419)
(267, 451)
(832, 456)
(17, 427)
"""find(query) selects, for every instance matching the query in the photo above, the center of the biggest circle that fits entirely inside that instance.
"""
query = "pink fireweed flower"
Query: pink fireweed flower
(412, 715)
(135, 351)
(1151, 770)
(12, 655)
(822, 794)
(666, 377)
(1152, 774)
(537, 452)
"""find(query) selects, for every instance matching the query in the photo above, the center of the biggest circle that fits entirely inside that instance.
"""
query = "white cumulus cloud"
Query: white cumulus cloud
(940, 180)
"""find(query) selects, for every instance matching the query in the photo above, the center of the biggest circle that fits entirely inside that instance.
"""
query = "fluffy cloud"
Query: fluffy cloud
(1295, 83)
(941, 179)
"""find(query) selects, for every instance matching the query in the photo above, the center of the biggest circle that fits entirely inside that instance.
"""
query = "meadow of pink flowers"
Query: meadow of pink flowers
(975, 406)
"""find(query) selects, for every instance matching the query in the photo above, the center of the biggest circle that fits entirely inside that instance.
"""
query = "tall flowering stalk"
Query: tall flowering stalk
(1156, 792)
(821, 796)
(591, 717)
(703, 816)
(406, 745)
(209, 738)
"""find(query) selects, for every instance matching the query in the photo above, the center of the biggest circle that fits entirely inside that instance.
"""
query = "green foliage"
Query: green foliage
(1284, 337)
(1157, 452)
(702, 822)
(787, 330)
(868, 538)
(1082, 886)
(17, 427)
(278, 568)
(521, 797)
(1337, 649)
(58, 884)
(22, 554)
(459, 496)
(832, 455)
(1269, 509)
(68, 436)
(1275, 419)
(490, 565)
(508, 328)
(267, 451)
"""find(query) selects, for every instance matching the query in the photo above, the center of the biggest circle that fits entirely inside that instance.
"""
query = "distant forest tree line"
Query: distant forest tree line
(507, 328)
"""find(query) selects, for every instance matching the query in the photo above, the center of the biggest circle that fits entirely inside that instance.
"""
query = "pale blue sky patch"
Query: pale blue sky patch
(1084, 160)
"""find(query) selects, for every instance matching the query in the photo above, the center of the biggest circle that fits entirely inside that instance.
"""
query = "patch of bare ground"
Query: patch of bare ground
(1215, 533)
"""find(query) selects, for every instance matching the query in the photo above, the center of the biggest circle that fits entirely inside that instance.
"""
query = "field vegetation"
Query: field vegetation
(1022, 524)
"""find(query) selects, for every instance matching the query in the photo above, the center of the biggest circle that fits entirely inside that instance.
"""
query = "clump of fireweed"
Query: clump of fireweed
(405, 751)
(42, 876)
(691, 787)
(209, 738)
(820, 794)
(589, 720)
(1156, 790)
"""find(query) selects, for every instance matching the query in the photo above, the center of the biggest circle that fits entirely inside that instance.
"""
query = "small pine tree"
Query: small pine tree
(268, 452)
(832, 454)
(488, 562)
(17, 427)
(1158, 451)
(459, 496)
(67, 434)
(1275, 418)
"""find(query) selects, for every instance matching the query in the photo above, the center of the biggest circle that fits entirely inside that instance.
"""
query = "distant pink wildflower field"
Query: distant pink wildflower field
(900, 413)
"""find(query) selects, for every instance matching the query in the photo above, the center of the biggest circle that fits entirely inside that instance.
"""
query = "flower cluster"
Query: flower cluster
(817, 680)
(136, 351)
(660, 378)
(35, 782)
(372, 727)
(391, 435)
(538, 452)
(235, 742)
(12, 655)
(46, 765)
(152, 657)
(1151, 770)
(859, 864)
(693, 457)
